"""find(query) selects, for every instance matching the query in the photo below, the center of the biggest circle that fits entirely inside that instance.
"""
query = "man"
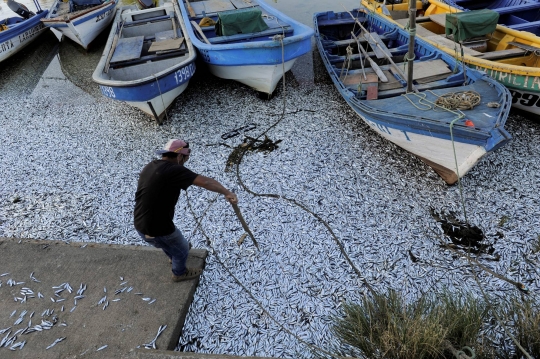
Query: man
(158, 190)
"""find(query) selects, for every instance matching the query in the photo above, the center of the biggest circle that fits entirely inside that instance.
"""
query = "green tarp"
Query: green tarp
(469, 24)
(240, 21)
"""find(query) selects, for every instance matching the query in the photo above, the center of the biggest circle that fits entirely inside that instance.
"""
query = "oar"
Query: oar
(377, 43)
(199, 30)
(119, 28)
(189, 9)
(374, 66)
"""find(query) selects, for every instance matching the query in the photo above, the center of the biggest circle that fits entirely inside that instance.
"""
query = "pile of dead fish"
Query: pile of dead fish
(70, 172)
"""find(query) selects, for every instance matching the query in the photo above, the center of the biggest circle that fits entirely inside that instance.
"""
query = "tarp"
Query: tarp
(469, 24)
(240, 21)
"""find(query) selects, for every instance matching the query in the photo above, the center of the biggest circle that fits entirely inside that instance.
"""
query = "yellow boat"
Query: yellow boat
(509, 56)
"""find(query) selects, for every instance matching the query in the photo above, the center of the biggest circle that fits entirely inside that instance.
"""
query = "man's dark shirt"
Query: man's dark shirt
(158, 190)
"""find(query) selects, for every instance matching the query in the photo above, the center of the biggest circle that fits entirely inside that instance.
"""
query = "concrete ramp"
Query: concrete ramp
(129, 294)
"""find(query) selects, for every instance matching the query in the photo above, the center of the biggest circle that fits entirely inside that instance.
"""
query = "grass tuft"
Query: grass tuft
(385, 326)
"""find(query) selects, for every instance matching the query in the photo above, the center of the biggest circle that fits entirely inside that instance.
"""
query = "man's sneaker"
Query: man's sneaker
(190, 273)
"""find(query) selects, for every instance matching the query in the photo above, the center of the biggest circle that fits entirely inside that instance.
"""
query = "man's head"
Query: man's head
(177, 150)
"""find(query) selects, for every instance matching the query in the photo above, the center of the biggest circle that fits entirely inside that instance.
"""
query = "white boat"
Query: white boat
(17, 32)
(148, 59)
(81, 20)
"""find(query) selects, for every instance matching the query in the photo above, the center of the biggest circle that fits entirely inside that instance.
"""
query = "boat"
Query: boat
(246, 40)
(510, 56)
(521, 15)
(81, 20)
(408, 99)
(148, 59)
(17, 32)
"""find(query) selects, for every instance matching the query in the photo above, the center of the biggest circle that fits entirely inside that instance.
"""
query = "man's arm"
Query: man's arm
(214, 186)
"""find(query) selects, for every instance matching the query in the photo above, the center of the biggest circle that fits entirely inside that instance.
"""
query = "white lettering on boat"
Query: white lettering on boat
(107, 91)
(184, 73)
(536, 81)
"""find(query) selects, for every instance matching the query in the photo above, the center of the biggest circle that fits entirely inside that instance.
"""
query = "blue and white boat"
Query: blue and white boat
(254, 43)
(416, 115)
(17, 32)
(148, 59)
(81, 20)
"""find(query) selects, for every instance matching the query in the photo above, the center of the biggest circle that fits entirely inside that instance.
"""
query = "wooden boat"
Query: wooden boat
(255, 44)
(148, 59)
(522, 15)
(365, 55)
(17, 32)
(510, 56)
(81, 20)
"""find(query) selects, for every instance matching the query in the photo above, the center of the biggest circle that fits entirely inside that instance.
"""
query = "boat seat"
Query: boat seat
(266, 33)
(502, 54)
(516, 8)
(153, 57)
(150, 19)
(525, 26)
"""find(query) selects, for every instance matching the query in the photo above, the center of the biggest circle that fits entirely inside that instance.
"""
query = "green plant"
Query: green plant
(385, 326)
(526, 316)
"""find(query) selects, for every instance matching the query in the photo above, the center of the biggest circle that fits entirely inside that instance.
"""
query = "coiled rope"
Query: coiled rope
(463, 100)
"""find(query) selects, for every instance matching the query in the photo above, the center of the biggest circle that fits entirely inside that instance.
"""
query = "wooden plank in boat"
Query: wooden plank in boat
(169, 44)
(128, 48)
(524, 46)
(210, 6)
(240, 4)
(427, 71)
(381, 51)
(502, 54)
(442, 40)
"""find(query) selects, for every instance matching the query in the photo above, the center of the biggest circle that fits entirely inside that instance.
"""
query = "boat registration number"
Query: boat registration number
(184, 73)
(104, 15)
(107, 91)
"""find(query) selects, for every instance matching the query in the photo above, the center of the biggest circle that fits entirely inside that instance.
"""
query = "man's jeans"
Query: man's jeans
(175, 246)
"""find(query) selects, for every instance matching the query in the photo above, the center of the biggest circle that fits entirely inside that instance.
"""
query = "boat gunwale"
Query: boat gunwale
(306, 32)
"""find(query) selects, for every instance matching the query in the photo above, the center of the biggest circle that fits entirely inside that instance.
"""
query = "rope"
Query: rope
(161, 96)
(463, 100)
(249, 293)
(348, 61)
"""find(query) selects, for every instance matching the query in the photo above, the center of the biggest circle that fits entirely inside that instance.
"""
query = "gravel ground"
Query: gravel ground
(69, 172)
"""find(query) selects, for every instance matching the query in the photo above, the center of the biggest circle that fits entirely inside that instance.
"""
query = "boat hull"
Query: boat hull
(257, 62)
(84, 29)
(21, 35)
(262, 78)
(156, 96)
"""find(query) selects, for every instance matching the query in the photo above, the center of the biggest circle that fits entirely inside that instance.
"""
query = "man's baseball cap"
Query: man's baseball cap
(176, 146)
